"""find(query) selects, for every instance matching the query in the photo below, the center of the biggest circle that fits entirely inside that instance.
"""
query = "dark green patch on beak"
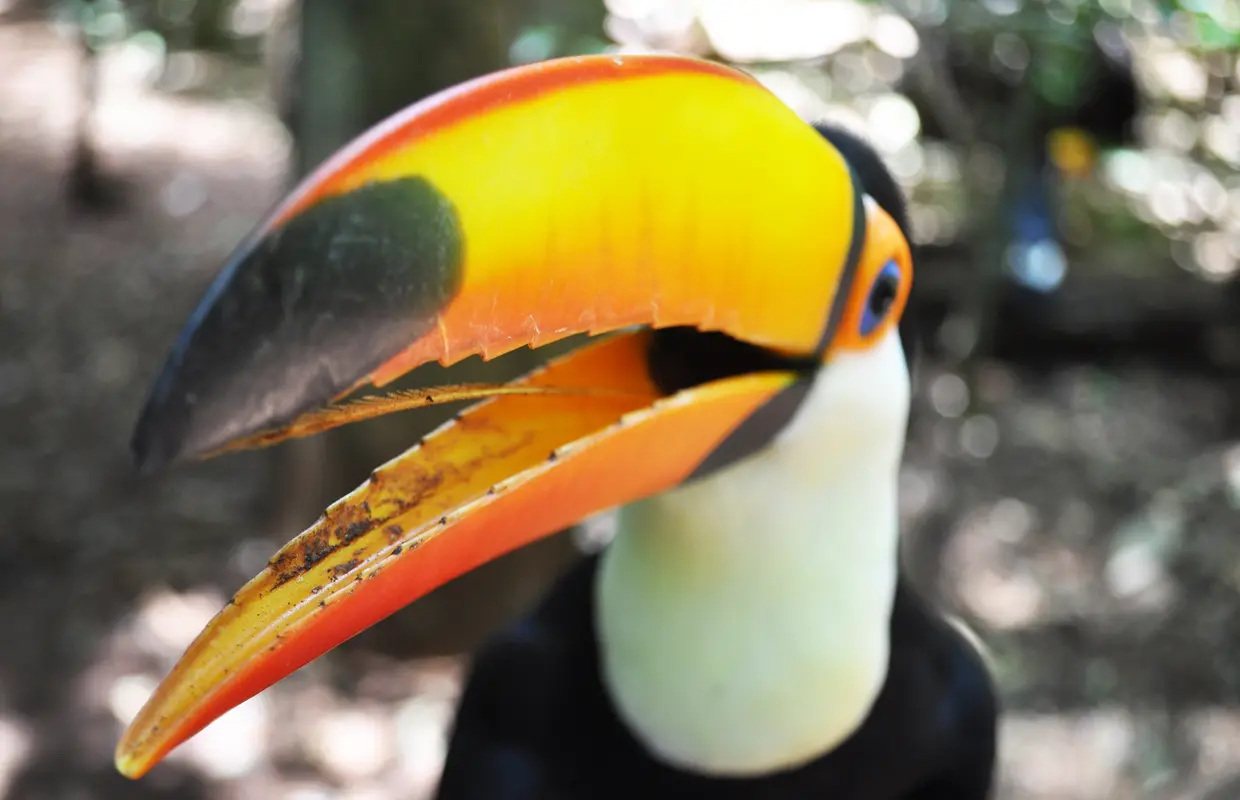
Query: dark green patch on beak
(301, 314)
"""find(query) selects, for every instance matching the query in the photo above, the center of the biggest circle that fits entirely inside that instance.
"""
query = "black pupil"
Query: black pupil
(883, 294)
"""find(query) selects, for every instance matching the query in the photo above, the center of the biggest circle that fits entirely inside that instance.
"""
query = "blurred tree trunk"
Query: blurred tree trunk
(363, 61)
(359, 62)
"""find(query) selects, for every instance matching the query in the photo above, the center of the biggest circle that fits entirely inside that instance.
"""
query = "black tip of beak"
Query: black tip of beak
(301, 314)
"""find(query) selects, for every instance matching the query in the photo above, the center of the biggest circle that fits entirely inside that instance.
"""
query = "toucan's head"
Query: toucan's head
(729, 251)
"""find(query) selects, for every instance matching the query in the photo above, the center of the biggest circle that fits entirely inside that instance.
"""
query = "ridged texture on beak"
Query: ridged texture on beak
(509, 471)
(580, 195)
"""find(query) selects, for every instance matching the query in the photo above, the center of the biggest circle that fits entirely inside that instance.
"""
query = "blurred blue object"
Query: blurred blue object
(1035, 258)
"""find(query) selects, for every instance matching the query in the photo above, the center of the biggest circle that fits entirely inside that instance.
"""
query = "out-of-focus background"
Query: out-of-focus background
(1073, 479)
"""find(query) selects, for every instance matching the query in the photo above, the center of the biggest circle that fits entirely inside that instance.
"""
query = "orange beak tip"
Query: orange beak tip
(129, 766)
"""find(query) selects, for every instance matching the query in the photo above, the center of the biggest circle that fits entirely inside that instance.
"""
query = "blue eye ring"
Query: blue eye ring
(882, 297)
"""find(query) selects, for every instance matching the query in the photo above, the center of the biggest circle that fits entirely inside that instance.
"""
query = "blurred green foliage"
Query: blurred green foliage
(234, 27)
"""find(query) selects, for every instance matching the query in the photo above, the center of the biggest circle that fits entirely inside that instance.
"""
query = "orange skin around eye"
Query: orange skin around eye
(884, 242)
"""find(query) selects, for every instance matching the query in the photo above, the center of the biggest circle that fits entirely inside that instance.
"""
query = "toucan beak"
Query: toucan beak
(584, 195)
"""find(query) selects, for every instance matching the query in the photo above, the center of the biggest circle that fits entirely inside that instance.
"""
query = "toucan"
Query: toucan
(740, 401)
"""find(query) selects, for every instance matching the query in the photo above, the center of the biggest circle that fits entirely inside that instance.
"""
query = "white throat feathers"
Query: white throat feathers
(743, 619)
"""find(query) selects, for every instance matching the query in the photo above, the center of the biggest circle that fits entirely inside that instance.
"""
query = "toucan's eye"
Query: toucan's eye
(879, 288)
(883, 294)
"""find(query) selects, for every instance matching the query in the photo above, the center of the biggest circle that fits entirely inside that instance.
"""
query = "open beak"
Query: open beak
(585, 195)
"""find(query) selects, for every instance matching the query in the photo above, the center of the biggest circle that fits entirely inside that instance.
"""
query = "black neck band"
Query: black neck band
(764, 424)
(852, 265)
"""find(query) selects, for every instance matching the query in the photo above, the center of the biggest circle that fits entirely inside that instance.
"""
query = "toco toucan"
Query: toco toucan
(742, 403)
